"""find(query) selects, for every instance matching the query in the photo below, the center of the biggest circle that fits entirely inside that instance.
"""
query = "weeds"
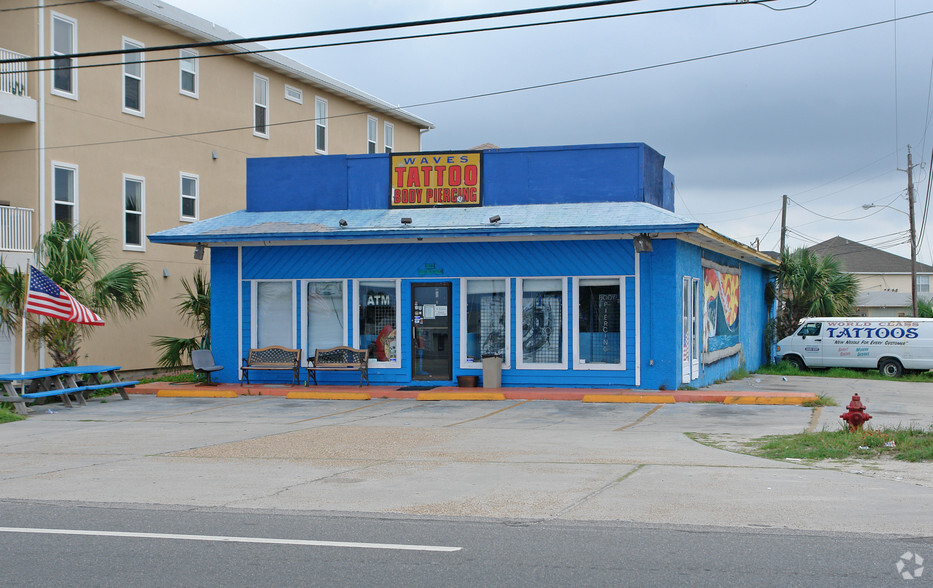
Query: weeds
(903, 443)
(785, 369)
(7, 415)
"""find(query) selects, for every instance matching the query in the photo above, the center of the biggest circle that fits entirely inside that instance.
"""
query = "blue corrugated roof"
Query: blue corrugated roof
(517, 220)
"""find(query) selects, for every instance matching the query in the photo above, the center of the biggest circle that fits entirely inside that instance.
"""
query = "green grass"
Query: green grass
(182, 377)
(908, 444)
(785, 369)
(821, 400)
(7, 415)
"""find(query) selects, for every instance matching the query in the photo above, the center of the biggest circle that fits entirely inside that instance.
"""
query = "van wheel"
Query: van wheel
(890, 368)
(796, 361)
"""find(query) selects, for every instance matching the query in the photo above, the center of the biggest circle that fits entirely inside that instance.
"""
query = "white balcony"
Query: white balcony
(15, 104)
(15, 236)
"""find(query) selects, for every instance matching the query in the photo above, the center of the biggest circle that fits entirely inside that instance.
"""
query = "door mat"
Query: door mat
(409, 388)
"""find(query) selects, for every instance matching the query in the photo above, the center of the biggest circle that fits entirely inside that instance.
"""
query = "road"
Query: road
(183, 547)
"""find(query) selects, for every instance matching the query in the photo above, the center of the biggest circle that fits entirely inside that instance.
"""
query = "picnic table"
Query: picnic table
(63, 382)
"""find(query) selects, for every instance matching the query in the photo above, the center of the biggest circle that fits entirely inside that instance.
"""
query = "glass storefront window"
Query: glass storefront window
(486, 320)
(326, 315)
(599, 322)
(541, 334)
(378, 319)
(274, 314)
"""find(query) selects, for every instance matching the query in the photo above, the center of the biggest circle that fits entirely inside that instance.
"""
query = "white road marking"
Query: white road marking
(221, 538)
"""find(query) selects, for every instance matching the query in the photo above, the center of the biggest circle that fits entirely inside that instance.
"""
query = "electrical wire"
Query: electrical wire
(358, 41)
(367, 41)
(34, 7)
(491, 93)
(833, 217)
(351, 30)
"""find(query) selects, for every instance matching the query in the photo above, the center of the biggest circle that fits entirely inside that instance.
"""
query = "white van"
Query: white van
(891, 344)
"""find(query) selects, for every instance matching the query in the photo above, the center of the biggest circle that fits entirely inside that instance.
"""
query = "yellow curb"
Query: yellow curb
(327, 396)
(196, 394)
(641, 398)
(766, 400)
(461, 396)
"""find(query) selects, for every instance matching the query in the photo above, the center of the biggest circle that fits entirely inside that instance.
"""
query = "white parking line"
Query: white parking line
(221, 538)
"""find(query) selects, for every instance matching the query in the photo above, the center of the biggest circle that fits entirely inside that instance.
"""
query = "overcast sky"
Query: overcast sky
(826, 121)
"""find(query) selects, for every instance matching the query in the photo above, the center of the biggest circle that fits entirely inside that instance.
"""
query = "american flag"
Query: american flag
(47, 298)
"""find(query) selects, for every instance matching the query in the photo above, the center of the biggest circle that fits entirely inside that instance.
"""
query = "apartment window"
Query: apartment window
(378, 313)
(273, 314)
(133, 82)
(372, 131)
(320, 125)
(188, 72)
(293, 94)
(64, 37)
(260, 106)
(923, 284)
(485, 323)
(326, 315)
(189, 197)
(65, 192)
(388, 134)
(541, 328)
(134, 220)
(599, 328)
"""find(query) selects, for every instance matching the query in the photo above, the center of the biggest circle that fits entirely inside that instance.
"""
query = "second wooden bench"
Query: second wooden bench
(338, 359)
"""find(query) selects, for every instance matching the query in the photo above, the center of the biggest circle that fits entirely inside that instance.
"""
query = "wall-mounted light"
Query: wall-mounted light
(406, 220)
(495, 219)
(199, 251)
(214, 155)
(343, 222)
(643, 243)
(165, 273)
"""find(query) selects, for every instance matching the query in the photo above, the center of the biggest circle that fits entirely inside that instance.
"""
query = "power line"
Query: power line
(361, 41)
(833, 217)
(48, 5)
(349, 30)
(494, 93)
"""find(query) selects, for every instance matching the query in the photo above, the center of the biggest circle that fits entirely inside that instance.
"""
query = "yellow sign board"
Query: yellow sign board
(423, 180)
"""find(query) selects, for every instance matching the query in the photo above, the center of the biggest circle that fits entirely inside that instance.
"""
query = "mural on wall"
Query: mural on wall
(721, 316)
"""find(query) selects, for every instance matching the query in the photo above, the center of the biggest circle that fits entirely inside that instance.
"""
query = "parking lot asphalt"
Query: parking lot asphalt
(510, 459)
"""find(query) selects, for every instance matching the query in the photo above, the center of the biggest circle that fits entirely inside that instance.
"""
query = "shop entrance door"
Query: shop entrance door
(431, 349)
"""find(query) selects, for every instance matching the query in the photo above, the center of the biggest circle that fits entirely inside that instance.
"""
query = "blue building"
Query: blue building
(569, 263)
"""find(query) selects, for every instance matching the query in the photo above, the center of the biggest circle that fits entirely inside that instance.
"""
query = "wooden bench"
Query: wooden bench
(273, 358)
(339, 359)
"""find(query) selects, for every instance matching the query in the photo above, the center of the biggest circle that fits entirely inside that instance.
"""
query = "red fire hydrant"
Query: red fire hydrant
(855, 415)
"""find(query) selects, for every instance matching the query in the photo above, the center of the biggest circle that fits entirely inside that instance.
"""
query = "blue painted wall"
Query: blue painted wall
(619, 172)
(551, 259)
(661, 304)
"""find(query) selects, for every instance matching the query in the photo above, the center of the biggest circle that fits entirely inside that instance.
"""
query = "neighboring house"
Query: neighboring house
(140, 147)
(884, 278)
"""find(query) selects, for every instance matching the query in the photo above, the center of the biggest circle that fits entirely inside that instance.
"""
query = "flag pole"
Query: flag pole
(22, 356)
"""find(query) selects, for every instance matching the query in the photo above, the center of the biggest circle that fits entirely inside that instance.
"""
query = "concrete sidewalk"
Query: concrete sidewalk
(511, 459)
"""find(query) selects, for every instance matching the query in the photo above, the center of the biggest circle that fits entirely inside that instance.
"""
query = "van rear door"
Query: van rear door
(811, 343)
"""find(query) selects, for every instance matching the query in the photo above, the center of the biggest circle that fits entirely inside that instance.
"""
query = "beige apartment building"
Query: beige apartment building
(137, 146)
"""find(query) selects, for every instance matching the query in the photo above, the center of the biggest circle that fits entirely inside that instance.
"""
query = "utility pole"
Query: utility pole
(783, 223)
(913, 235)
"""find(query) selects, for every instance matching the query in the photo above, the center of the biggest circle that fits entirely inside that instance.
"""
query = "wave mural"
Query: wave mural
(721, 316)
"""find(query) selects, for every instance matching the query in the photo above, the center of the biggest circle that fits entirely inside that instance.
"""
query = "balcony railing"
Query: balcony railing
(13, 75)
(15, 229)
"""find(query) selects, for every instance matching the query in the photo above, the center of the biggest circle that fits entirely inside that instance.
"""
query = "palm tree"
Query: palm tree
(194, 306)
(75, 260)
(812, 285)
